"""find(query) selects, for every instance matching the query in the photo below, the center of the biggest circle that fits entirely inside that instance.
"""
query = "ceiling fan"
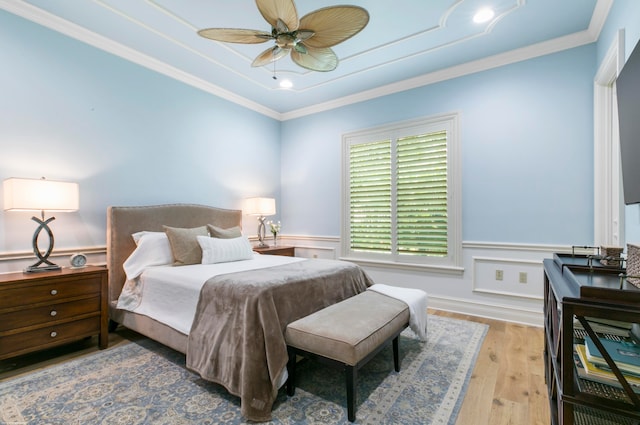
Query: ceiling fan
(309, 39)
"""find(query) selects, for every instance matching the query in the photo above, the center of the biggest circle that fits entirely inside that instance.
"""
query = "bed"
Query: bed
(237, 335)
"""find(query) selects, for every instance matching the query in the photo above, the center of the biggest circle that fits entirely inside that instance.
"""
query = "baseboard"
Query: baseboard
(488, 311)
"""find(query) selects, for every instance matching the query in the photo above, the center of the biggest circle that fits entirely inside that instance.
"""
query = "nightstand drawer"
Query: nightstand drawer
(48, 313)
(286, 251)
(15, 344)
(49, 292)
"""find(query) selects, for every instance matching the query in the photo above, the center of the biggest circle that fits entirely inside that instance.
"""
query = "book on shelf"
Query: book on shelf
(609, 322)
(589, 371)
(626, 354)
(605, 326)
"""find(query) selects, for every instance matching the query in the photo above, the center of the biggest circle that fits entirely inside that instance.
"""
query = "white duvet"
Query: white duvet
(170, 294)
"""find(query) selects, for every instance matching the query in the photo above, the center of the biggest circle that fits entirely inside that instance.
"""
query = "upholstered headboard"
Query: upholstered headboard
(122, 222)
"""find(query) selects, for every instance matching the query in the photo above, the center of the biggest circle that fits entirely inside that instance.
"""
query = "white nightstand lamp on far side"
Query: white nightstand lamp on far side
(260, 207)
(40, 195)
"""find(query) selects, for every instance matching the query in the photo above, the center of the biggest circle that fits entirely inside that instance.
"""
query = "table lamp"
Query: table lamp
(40, 195)
(260, 207)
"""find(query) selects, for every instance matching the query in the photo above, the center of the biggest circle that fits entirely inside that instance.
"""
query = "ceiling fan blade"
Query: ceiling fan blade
(333, 25)
(316, 59)
(233, 35)
(272, 54)
(285, 10)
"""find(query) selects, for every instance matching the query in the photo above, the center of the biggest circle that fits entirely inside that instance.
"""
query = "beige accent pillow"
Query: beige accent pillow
(184, 244)
(218, 232)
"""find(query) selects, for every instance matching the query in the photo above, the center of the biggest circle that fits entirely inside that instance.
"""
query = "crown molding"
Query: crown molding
(91, 38)
(77, 32)
(513, 56)
(599, 17)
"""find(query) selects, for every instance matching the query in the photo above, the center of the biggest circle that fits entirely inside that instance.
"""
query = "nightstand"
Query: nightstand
(41, 310)
(287, 251)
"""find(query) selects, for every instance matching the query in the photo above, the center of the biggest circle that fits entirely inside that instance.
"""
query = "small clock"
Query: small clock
(78, 260)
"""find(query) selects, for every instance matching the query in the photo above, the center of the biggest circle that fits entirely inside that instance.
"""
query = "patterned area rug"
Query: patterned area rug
(146, 383)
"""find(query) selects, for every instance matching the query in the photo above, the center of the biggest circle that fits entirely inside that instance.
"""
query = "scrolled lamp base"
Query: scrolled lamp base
(43, 258)
(261, 233)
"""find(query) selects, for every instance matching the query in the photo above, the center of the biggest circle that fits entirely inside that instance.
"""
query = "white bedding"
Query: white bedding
(170, 294)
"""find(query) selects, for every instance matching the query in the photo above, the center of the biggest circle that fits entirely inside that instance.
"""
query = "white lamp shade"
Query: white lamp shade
(40, 195)
(259, 206)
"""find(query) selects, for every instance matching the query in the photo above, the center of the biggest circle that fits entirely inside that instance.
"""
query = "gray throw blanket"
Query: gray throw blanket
(237, 337)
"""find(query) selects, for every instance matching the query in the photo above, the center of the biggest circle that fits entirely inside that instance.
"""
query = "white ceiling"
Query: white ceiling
(407, 43)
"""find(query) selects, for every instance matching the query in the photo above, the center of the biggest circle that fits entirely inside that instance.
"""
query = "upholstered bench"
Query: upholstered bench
(347, 335)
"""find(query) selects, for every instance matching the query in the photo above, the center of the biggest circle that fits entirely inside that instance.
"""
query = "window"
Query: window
(401, 191)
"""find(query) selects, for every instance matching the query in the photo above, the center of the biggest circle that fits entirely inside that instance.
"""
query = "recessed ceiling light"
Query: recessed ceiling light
(483, 15)
(286, 84)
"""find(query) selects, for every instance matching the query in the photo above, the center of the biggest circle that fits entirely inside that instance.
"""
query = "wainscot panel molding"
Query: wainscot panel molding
(504, 246)
(529, 317)
(407, 266)
(512, 278)
(473, 290)
(17, 261)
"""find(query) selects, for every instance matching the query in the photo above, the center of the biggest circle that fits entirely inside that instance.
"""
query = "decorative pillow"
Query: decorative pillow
(153, 249)
(216, 250)
(184, 244)
(218, 232)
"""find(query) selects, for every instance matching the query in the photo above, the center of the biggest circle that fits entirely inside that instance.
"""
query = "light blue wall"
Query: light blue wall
(527, 151)
(131, 136)
(127, 135)
(625, 14)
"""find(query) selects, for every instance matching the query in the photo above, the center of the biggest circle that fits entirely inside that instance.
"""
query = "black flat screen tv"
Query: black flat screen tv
(628, 93)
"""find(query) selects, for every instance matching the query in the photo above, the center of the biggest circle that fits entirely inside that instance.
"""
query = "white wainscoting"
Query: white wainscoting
(18, 261)
(514, 278)
(474, 291)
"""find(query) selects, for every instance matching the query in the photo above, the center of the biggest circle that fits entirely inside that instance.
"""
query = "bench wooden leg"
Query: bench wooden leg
(396, 354)
(351, 373)
(291, 370)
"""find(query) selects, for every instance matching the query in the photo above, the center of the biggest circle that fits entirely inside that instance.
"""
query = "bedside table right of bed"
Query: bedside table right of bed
(287, 251)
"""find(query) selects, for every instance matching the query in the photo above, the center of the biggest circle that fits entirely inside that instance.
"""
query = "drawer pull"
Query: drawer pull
(54, 334)
(54, 292)
(53, 312)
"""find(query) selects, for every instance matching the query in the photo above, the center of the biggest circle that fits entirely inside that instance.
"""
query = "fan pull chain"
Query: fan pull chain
(274, 69)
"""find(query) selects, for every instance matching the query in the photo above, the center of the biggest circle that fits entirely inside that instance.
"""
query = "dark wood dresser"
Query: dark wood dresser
(41, 310)
(580, 295)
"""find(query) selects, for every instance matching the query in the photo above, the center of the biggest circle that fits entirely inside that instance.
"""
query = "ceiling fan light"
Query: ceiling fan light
(304, 34)
(281, 26)
(299, 47)
(286, 84)
(285, 41)
(483, 15)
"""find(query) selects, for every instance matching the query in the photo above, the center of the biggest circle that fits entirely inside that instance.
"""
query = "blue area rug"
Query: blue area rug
(146, 383)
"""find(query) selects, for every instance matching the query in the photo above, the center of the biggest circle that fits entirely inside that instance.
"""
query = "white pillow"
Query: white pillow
(153, 250)
(216, 250)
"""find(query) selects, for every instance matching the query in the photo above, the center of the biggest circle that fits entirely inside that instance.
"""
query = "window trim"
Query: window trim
(450, 122)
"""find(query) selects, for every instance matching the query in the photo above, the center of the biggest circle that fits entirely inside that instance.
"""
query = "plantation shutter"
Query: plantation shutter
(421, 195)
(402, 194)
(370, 197)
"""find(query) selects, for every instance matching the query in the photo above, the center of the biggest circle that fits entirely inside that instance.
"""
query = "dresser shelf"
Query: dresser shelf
(575, 290)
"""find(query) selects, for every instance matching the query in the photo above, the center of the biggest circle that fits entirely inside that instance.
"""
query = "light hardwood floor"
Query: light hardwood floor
(507, 385)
